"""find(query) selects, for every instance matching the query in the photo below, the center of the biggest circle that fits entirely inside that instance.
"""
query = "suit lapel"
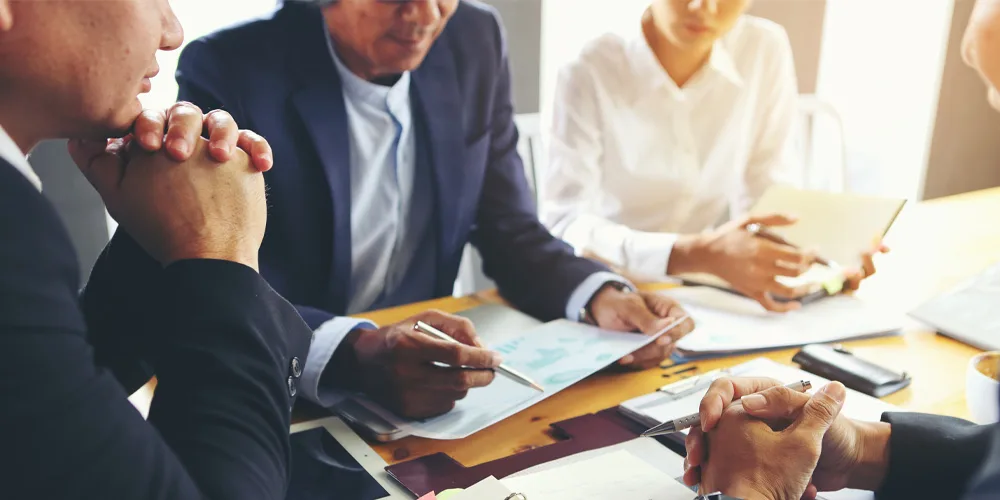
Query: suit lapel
(438, 109)
(319, 102)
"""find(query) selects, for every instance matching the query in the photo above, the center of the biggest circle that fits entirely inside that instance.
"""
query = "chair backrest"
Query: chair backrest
(471, 278)
(530, 148)
(822, 145)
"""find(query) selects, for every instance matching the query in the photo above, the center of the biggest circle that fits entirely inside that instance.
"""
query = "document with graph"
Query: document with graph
(556, 355)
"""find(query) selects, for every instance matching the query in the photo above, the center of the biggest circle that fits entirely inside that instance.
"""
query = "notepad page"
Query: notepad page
(619, 475)
(729, 323)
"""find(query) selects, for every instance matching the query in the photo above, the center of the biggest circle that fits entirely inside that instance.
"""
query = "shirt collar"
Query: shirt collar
(373, 94)
(13, 155)
(652, 75)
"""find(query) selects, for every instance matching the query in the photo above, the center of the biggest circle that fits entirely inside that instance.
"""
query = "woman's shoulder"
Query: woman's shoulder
(756, 34)
(604, 61)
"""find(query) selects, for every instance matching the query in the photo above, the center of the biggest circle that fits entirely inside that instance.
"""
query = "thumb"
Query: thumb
(776, 403)
(771, 220)
(822, 409)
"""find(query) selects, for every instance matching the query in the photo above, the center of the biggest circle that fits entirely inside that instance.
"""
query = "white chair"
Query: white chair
(822, 135)
(531, 150)
(470, 272)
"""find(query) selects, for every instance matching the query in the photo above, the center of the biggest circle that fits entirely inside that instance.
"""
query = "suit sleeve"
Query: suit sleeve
(223, 341)
(932, 456)
(201, 80)
(534, 271)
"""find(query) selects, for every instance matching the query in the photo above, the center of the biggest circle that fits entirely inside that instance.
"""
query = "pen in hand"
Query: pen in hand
(694, 419)
(502, 369)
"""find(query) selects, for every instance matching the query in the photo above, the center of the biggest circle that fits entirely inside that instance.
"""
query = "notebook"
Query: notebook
(726, 323)
(969, 312)
(839, 226)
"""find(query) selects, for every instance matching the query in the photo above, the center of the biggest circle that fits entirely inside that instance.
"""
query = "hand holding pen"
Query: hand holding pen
(695, 419)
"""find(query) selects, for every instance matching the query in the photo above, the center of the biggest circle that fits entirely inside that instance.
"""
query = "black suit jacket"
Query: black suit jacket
(933, 457)
(221, 342)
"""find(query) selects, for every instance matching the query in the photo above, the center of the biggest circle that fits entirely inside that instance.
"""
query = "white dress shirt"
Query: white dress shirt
(387, 222)
(13, 155)
(635, 160)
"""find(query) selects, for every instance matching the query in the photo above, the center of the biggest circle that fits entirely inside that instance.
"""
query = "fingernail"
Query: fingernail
(497, 359)
(221, 146)
(180, 146)
(151, 139)
(627, 360)
(664, 341)
(836, 391)
(754, 402)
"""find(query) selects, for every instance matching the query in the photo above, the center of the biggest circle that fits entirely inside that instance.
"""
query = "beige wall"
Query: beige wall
(965, 148)
(803, 19)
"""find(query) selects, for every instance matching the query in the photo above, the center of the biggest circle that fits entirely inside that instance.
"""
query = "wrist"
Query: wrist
(872, 463)
(687, 255)
(345, 363)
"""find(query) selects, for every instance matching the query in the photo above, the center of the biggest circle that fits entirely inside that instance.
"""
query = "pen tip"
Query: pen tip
(537, 387)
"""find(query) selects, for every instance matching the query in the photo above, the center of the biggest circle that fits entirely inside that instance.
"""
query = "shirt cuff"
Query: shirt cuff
(586, 290)
(329, 335)
(648, 254)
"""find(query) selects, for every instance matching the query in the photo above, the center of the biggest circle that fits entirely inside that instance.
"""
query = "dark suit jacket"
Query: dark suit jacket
(219, 338)
(276, 76)
(933, 457)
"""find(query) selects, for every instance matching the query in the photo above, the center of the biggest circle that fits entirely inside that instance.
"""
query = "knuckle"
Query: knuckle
(457, 354)
(464, 381)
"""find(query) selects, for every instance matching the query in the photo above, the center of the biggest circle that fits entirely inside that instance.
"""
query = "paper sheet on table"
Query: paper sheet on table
(487, 489)
(727, 323)
(619, 475)
(556, 355)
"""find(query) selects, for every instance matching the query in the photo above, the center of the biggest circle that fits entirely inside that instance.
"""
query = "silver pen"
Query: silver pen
(694, 419)
(505, 370)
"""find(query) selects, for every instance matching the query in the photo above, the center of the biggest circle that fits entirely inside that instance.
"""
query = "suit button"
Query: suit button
(292, 391)
(296, 367)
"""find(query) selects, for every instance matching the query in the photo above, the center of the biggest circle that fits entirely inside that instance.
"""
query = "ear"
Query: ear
(6, 16)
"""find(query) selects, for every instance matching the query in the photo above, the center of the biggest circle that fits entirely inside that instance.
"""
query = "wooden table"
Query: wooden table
(935, 245)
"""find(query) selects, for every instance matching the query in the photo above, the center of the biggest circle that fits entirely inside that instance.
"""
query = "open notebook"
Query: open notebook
(839, 226)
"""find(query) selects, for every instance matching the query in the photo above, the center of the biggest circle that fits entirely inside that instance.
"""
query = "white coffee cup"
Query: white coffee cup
(982, 390)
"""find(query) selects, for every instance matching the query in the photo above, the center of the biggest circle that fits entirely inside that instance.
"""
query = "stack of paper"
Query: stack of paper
(619, 475)
(726, 323)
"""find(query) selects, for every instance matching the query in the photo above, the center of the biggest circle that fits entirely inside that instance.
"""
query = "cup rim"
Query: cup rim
(974, 365)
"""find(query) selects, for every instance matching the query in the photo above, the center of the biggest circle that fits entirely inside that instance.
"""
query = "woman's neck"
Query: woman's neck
(680, 63)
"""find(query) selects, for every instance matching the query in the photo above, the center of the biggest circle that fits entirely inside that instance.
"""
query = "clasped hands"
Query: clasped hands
(781, 444)
(179, 195)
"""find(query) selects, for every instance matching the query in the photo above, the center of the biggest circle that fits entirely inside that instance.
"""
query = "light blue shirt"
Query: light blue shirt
(389, 227)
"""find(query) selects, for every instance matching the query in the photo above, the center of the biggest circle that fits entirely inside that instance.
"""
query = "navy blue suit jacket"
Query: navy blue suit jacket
(276, 76)
(220, 339)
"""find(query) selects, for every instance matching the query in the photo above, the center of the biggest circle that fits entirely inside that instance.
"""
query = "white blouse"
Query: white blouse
(634, 160)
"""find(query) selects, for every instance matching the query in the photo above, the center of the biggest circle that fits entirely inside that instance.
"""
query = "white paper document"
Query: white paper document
(556, 355)
(487, 489)
(619, 475)
(969, 312)
(727, 323)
